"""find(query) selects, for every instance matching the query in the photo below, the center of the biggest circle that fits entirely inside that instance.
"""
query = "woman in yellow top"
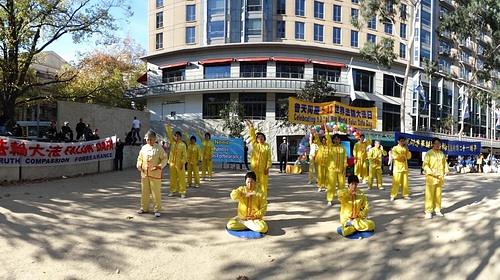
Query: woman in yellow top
(150, 162)
(375, 156)
(322, 161)
(207, 151)
(360, 157)
(193, 157)
(400, 155)
(260, 161)
(336, 162)
(354, 209)
(252, 207)
(176, 161)
(435, 167)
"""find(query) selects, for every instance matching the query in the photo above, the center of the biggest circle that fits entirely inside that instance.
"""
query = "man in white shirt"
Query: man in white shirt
(136, 127)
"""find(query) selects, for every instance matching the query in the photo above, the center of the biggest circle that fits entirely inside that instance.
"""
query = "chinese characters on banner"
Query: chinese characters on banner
(228, 149)
(309, 113)
(417, 143)
(16, 152)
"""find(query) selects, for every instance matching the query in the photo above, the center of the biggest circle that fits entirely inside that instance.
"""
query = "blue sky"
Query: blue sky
(137, 28)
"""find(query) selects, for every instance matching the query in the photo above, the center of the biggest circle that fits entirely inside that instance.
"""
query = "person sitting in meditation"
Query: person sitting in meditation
(354, 209)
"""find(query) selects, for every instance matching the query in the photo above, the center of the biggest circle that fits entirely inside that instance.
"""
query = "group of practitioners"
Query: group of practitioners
(328, 162)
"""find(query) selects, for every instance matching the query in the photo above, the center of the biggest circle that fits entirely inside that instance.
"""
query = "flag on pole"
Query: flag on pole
(497, 111)
(465, 102)
(351, 82)
(421, 92)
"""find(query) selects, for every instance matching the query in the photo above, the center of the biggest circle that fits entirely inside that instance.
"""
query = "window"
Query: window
(299, 30)
(253, 70)
(190, 35)
(372, 23)
(388, 27)
(319, 9)
(254, 26)
(173, 75)
(337, 35)
(281, 105)
(391, 117)
(289, 70)
(328, 74)
(337, 13)
(427, 3)
(354, 14)
(254, 5)
(402, 30)
(280, 29)
(371, 38)
(402, 11)
(254, 105)
(159, 41)
(464, 57)
(190, 12)
(426, 18)
(213, 103)
(444, 48)
(392, 87)
(215, 7)
(444, 65)
(425, 54)
(300, 7)
(217, 71)
(426, 37)
(354, 38)
(318, 32)
(216, 29)
(159, 20)
(159, 3)
(402, 50)
(363, 80)
(355, 1)
(281, 10)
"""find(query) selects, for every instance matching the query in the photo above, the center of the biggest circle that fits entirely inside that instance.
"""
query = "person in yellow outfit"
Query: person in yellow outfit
(337, 163)
(176, 160)
(260, 161)
(252, 207)
(435, 167)
(207, 151)
(322, 162)
(150, 162)
(360, 157)
(375, 156)
(354, 209)
(313, 150)
(400, 155)
(193, 157)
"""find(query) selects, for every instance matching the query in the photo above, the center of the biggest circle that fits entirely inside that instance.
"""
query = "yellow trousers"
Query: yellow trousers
(312, 170)
(262, 182)
(400, 179)
(433, 197)
(361, 169)
(375, 173)
(150, 187)
(336, 181)
(206, 167)
(322, 176)
(193, 168)
(177, 180)
(358, 224)
(255, 225)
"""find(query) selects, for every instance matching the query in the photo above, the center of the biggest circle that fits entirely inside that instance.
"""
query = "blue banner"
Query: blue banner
(228, 149)
(347, 147)
(418, 143)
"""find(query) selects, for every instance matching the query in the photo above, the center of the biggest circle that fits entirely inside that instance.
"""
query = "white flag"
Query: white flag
(351, 84)
(497, 111)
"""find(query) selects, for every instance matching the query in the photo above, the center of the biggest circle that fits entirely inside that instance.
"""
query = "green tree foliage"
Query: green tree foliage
(232, 118)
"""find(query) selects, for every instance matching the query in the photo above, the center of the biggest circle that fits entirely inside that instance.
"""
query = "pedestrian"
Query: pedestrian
(436, 168)
(17, 131)
(119, 154)
(66, 132)
(401, 155)
(283, 149)
(80, 130)
(136, 127)
(261, 157)
(52, 134)
(87, 133)
(480, 163)
(312, 160)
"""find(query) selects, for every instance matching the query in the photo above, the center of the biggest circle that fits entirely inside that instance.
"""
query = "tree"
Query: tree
(30, 26)
(232, 118)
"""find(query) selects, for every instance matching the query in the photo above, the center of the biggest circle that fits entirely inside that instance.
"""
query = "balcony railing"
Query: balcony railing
(228, 84)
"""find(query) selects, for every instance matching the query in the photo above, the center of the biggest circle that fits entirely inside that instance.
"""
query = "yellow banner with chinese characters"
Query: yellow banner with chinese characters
(309, 113)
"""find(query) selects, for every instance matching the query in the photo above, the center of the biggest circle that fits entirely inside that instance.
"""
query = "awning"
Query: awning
(143, 79)
(290, 59)
(328, 63)
(175, 65)
(253, 59)
(216, 61)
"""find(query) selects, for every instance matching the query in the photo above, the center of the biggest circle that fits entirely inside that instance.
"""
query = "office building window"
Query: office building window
(372, 23)
(354, 38)
(300, 7)
(328, 74)
(280, 29)
(173, 75)
(190, 12)
(253, 70)
(444, 65)
(402, 30)
(281, 105)
(254, 5)
(355, 1)
(427, 3)
(217, 71)
(371, 38)
(159, 3)
(254, 26)
(299, 30)
(391, 117)
(318, 32)
(363, 80)
(289, 70)
(190, 35)
(354, 14)
(215, 7)
(388, 27)
(426, 18)
(337, 35)
(402, 11)
(159, 41)
(254, 105)
(337, 13)
(213, 103)
(402, 50)
(392, 87)
(281, 9)
(425, 54)
(159, 20)
(319, 9)
(426, 37)
(216, 29)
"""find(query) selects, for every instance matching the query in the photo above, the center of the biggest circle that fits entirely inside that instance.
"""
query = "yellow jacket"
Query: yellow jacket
(400, 156)
(149, 157)
(207, 147)
(375, 157)
(322, 153)
(261, 154)
(193, 151)
(178, 150)
(352, 205)
(359, 151)
(435, 167)
(253, 207)
(337, 159)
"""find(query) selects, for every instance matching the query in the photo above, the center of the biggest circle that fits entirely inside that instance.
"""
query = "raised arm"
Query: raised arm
(170, 136)
(251, 131)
